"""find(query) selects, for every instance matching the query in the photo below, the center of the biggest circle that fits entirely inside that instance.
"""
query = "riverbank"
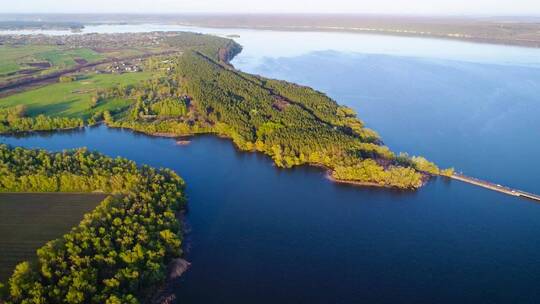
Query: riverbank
(365, 184)
(175, 269)
(184, 140)
(30, 132)
(329, 177)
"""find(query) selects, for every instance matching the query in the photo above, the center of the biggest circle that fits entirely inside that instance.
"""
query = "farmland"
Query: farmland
(23, 61)
(67, 58)
(28, 221)
(14, 57)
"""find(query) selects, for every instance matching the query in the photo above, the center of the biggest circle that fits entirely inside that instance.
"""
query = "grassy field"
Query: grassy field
(28, 221)
(18, 58)
(73, 99)
(66, 58)
(8, 67)
(13, 58)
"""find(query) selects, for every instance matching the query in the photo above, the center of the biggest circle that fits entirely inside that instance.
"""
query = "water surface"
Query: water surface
(264, 235)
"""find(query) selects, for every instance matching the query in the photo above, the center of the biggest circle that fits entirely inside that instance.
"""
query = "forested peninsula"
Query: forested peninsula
(191, 88)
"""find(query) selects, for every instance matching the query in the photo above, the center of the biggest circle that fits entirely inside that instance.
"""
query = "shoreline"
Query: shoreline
(30, 132)
(328, 175)
(175, 269)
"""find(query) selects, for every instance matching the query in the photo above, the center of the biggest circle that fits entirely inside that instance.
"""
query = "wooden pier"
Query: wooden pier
(495, 187)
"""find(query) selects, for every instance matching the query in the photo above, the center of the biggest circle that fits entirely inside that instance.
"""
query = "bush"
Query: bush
(65, 79)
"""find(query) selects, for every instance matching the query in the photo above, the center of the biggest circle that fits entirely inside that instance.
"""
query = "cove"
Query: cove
(265, 235)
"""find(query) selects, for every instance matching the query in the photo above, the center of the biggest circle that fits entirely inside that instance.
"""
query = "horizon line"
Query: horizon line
(466, 15)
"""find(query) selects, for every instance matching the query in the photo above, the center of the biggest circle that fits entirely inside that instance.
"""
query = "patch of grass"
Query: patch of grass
(66, 58)
(9, 53)
(125, 53)
(13, 58)
(57, 58)
(16, 58)
(28, 221)
(87, 54)
(73, 99)
(8, 67)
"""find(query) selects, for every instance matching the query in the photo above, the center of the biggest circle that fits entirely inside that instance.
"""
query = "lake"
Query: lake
(265, 235)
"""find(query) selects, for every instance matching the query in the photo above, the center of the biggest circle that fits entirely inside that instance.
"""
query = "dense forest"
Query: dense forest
(120, 251)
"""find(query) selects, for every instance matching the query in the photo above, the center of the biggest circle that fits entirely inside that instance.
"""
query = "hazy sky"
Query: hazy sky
(470, 7)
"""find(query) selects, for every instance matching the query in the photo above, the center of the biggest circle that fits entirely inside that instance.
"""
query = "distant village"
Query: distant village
(120, 67)
(98, 42)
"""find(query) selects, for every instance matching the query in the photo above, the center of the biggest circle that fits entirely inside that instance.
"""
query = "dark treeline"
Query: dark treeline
(24, 25)
(120, 251)
(217, 48)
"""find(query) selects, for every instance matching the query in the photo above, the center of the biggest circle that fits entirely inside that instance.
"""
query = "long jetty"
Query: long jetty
(495, 187)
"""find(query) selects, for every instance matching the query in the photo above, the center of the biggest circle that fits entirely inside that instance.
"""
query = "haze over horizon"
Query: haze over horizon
(410, 7)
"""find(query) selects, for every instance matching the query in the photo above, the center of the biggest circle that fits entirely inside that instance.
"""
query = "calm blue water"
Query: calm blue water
(264, 235)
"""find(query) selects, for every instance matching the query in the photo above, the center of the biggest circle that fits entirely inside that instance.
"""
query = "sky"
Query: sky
(419, 7)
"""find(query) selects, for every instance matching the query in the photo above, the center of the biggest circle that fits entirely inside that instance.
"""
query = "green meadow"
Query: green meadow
(66, 58)
(17, 58)
(73, 99)
(13, 58)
